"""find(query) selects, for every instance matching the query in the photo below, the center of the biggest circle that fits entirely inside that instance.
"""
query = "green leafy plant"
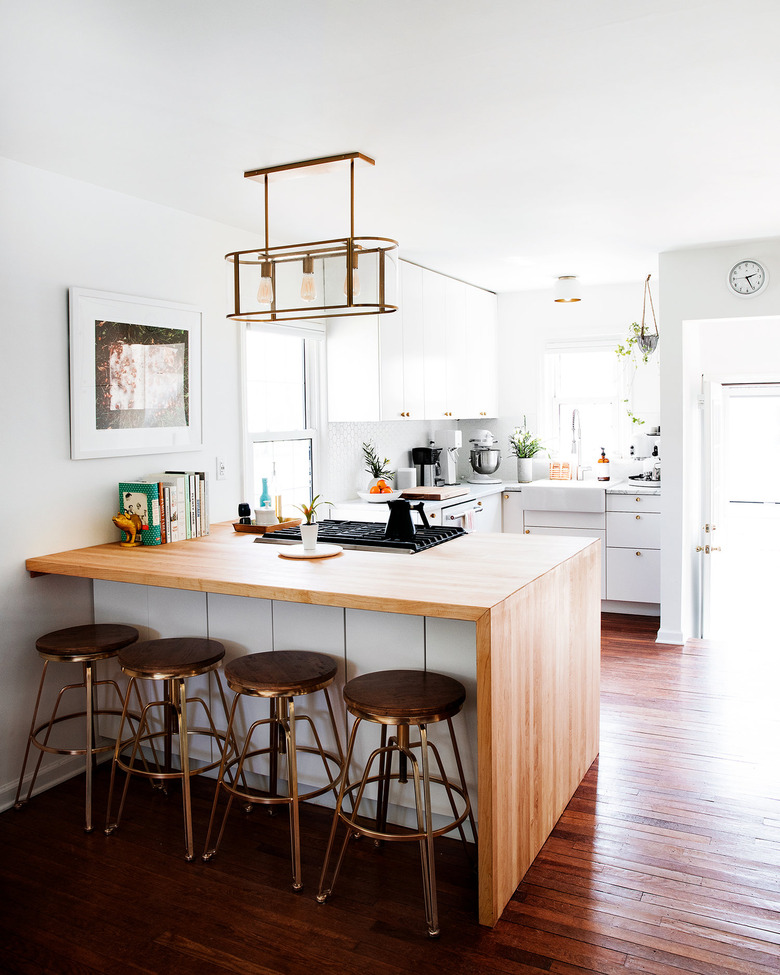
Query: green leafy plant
(373, 465)
(523, 444)
(632, 416)
(631, 348)
(310, 510)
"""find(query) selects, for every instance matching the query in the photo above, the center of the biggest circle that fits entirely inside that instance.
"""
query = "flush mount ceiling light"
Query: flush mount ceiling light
(318, 279)
(566, 288)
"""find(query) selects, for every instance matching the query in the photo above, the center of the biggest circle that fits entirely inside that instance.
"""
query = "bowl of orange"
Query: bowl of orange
(379, 493)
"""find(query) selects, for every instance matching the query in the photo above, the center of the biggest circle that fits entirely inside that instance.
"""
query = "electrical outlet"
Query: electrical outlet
(221, 469)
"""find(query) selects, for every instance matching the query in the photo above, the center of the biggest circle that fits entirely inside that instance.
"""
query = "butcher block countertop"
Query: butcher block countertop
(461, 579)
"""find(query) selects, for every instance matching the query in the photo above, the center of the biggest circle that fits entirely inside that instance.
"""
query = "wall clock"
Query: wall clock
(747, 278)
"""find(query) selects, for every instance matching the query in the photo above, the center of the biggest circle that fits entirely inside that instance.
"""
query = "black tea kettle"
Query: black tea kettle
(400, 526)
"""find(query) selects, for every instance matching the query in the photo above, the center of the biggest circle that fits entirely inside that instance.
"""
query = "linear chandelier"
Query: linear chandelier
(320, 279)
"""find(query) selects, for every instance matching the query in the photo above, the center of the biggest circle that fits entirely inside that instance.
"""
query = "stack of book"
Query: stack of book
(172, 505)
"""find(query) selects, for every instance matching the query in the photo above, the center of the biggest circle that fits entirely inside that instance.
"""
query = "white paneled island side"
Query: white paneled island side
(515, 618)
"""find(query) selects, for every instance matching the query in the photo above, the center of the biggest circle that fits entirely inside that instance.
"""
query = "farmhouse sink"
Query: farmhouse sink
(565, 495)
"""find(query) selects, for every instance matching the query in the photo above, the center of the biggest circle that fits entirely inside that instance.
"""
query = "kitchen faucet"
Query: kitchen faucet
(576, 444)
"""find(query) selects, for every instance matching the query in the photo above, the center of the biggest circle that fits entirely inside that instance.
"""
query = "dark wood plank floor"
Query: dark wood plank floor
(666, 861)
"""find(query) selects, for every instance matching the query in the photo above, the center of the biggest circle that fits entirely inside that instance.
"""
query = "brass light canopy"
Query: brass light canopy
(318, 279)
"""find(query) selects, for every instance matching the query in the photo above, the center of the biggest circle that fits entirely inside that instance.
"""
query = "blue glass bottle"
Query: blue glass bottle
(265, 497)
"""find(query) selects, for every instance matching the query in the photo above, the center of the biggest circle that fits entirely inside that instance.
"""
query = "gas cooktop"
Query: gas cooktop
(368, 535)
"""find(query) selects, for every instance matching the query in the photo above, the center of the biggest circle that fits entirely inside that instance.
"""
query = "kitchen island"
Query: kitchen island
(517, 618)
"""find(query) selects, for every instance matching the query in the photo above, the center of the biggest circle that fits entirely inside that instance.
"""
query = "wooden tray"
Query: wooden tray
(263, 529)
(431, 493)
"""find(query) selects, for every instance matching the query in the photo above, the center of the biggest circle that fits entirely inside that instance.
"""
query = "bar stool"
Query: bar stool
(402, 698)
(85, 645)
(171, 661)
(281, 676)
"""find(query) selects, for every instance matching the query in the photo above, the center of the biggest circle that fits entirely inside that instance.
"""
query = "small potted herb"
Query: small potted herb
(309, 529)
(525, 447)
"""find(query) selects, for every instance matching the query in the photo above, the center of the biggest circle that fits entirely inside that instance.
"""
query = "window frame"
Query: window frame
(313, 365)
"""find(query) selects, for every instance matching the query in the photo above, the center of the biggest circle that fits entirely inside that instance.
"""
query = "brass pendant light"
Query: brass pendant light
(319, 279)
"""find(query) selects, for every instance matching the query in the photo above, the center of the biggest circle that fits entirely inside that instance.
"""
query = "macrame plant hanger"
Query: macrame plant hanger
(648, 340)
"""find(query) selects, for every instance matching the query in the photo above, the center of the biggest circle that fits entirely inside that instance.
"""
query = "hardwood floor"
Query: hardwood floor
(666, 861)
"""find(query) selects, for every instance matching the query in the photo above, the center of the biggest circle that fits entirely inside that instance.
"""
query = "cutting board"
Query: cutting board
(430, 493)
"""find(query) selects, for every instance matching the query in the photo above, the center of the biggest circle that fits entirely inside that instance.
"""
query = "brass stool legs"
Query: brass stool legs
(90, 685)
(282, 732)
(174, 704)
(422, 779)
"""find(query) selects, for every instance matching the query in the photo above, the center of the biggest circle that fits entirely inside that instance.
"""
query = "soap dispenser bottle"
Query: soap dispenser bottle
(603, 468)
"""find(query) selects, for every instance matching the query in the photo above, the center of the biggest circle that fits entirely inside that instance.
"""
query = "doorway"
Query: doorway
(740, 509)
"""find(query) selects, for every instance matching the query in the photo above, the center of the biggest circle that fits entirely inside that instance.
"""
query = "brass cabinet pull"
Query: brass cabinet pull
(638, 553)
(528, 531)
(637, 499)
(506, 497)
(638, 517)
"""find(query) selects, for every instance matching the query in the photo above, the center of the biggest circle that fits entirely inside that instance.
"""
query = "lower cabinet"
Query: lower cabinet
(634, 548)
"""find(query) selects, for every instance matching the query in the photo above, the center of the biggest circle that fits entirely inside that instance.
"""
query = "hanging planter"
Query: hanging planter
(647, 340)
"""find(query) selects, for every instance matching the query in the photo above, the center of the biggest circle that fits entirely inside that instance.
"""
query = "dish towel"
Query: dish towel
(468, 521)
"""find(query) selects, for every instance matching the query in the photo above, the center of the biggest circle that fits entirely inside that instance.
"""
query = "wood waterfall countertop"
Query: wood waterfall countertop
(535, 604)
(461, 579)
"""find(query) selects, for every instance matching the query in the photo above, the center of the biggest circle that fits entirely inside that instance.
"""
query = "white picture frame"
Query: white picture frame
(135, 375)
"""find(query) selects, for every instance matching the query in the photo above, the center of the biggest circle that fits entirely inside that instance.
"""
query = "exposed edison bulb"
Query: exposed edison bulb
(265, 293)
(308, 287)
(355, 278)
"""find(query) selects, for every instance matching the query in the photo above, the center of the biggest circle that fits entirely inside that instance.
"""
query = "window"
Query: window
(588, 378)
(281, 372)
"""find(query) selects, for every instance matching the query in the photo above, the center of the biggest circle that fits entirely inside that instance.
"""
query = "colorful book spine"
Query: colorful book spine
(142, 498)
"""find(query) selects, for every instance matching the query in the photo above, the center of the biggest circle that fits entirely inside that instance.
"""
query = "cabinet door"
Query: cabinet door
(512, 505)
(634, 575)
(434, 345)
(626, 529)
(458, 371)
(481, 347)
(402, 369)
(353, 368)
(488, 518)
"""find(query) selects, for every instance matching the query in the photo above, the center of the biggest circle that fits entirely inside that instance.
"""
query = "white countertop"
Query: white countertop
(590, 484)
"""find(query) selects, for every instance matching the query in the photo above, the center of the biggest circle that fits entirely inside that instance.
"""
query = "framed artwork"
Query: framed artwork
(135, 382)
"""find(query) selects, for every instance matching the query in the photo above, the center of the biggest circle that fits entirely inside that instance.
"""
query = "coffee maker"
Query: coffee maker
(426, 461)
(450, 442)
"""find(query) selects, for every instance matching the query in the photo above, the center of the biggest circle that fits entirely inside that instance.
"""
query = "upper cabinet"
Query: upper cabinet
(434, 359)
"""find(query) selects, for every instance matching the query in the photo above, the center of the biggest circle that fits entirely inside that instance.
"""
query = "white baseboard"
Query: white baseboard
(52, 773)
(670, 636)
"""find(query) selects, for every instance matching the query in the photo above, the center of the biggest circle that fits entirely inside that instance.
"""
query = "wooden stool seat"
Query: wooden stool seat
(92, 641)
(280, 676)
(172, 661)
(280, 673)
(86, 645)
(401, 697)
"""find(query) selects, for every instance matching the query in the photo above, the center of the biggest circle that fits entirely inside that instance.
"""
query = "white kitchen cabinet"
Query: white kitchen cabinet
(481, 351)
(434, 359)
(577, 524)
(633, 548)
(401, 366)
(489, 518)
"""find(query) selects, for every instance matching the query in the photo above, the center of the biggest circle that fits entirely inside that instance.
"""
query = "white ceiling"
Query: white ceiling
(515, 140)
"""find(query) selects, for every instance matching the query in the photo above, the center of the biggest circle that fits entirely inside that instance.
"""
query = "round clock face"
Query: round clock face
(747, 278)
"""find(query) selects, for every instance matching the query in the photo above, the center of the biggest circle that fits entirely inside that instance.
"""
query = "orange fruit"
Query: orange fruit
(376, 489)
(381, 484)
(386, 490)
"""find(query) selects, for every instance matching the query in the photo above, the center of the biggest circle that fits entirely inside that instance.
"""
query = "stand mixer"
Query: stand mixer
(485, 458)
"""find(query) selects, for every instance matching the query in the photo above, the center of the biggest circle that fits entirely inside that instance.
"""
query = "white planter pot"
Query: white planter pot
(309, 536)
(525, 469)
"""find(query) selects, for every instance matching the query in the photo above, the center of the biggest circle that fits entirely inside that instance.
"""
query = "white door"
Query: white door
(741, 508)
(713, 523)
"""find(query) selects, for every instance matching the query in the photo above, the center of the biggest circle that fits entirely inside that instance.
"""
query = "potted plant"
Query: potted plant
(378, 469)
(525, 447)
(309, 529)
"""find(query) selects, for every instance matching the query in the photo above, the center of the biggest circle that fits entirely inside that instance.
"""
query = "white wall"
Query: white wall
(693, 296)
(60, 233)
